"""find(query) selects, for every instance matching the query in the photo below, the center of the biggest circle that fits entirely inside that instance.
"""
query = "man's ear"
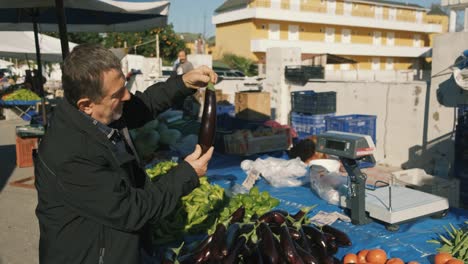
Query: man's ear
(85, 105)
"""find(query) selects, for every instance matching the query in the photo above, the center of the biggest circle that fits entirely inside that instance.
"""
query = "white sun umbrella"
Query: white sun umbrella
(79, 16)
(20, 45)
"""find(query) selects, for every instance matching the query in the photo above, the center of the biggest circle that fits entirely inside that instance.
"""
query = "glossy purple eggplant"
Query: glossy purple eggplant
(288, 247)
(341, 238)
(207, 132)
(267, 244)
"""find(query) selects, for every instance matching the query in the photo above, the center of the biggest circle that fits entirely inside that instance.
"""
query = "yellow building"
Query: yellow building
(378, 35)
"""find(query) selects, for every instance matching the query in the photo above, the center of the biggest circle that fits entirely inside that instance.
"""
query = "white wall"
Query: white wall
(231, 87)
(445, 95)
(276, 60)
(200, 59)
(399, 108)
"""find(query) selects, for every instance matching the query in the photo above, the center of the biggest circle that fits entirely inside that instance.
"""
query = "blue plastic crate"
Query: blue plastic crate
(226, 109)
(359, 124)
(309, 124)
(311, 102)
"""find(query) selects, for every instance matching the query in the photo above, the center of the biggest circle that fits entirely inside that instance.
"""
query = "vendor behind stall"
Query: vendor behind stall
(94, 199)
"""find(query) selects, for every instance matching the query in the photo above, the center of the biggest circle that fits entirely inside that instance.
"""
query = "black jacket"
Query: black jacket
(93, 201)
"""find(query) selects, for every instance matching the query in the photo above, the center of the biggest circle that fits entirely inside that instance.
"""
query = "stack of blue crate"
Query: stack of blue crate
(359, 124)
(309, 111)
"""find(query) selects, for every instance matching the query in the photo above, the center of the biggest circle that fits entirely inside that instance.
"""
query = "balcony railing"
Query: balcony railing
(304, 7)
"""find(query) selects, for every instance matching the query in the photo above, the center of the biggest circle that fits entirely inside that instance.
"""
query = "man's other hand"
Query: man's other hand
(199, 162)
(199, 77)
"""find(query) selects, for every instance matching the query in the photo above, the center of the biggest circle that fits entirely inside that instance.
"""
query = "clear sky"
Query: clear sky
(194, 16)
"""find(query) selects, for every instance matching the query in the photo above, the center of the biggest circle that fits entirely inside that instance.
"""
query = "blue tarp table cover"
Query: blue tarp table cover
(408, 243)
(18, 102)
(25, 108)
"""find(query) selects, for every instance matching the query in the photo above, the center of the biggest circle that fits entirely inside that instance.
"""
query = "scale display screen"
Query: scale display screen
(337, 145)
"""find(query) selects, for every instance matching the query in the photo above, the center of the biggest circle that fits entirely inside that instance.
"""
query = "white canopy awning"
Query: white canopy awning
(20, 44)
(85, 15)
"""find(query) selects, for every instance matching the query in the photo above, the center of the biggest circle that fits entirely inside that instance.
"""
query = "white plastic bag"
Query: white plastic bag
(326, 179)
(278, 172)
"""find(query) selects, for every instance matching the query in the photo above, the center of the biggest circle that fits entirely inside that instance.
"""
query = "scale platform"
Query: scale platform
(406, 204)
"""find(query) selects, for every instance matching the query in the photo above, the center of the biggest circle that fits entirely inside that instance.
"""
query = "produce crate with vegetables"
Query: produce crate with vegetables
(246, 142)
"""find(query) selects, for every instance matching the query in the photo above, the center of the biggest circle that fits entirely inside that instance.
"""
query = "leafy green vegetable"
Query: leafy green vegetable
(207, 205)
(454, 242)
(21, 94)
(160, 168)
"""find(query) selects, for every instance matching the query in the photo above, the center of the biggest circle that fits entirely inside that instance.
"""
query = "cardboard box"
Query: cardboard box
(200, 95)
(253, 105)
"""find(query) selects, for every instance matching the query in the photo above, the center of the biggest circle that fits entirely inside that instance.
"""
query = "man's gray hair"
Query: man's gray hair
(82, 72)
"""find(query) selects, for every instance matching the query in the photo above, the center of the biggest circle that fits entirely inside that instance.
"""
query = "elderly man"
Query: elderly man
(182, 65)
(94, 199)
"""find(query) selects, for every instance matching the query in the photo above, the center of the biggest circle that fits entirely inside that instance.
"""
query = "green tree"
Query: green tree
(169, 42)
(81, 37)
(240, 63)
(145, 41)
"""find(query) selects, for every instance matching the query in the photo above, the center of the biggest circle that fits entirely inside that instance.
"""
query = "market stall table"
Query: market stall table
(408, 243)
(23, 108)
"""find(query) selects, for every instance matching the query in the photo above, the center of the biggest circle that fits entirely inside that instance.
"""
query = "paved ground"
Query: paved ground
(19, 231)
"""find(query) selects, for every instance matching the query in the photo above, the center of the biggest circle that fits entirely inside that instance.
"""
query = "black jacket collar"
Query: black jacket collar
(75, 120)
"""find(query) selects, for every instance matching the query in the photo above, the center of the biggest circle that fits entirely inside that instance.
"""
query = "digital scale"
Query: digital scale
(389, 204)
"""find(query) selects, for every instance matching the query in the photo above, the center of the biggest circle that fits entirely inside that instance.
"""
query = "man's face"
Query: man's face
(110, 107)
(182, 57)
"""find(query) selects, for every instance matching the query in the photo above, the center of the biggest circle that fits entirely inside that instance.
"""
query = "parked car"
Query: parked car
(230, 74)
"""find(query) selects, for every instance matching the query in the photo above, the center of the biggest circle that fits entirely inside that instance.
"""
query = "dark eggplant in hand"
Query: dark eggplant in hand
(341, 238)
(288, 247)
(267, 244)
(206, 134)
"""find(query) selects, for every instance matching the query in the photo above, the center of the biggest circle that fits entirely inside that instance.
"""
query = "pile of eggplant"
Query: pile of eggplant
(275, 237)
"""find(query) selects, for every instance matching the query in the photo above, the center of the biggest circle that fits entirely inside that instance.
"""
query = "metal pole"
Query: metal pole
(157, 56)
(157, 46)
(62, 23)
(38, 79)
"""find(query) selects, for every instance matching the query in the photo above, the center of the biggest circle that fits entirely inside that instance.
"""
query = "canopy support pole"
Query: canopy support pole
(37, 81)
(62, 24)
